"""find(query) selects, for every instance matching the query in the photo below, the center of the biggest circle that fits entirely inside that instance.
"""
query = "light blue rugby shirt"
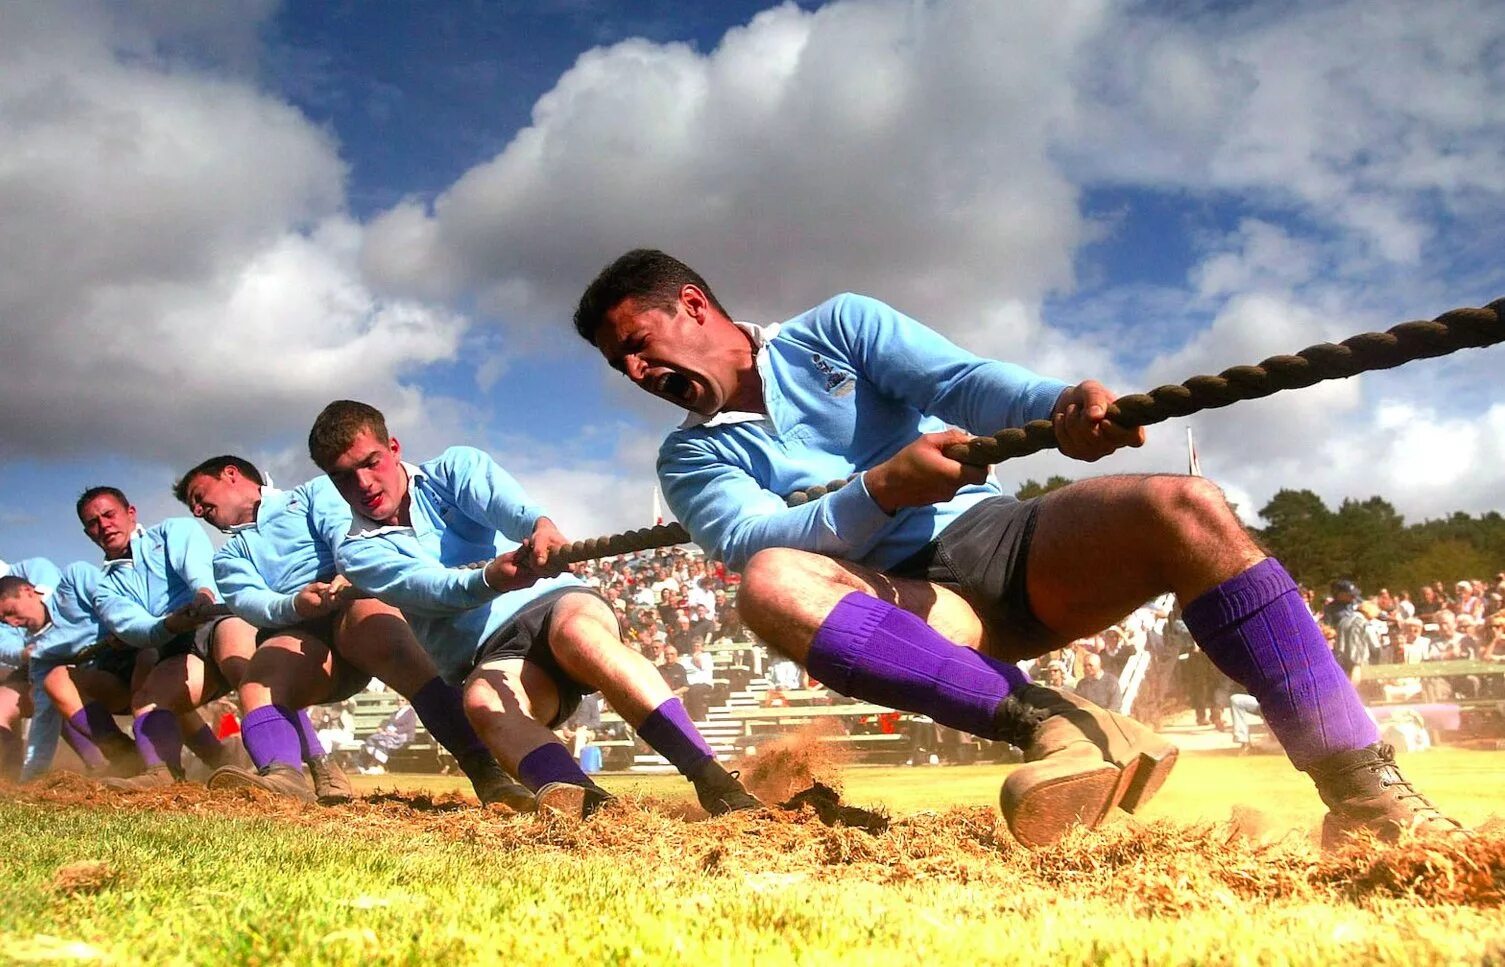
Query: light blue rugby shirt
(168, 564)
(289, 545)
(465, 509)
(72, 625)
(43, 575)
(847, 385)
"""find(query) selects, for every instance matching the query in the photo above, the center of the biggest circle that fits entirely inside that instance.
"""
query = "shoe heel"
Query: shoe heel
(1146, 775)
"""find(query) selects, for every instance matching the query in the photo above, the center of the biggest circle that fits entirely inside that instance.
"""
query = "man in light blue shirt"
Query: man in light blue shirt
(456, 544)
(18, 699)
(158, 595)
(59, 627)
(918, 584)
(317, 642)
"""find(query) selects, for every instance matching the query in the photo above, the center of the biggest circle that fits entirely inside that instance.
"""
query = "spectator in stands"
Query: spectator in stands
(1098, 686)
(700, 676)
(397, 731)
(1405, 609)
(1054, 675)
(1117, 650)
(1470, 599)
(674, 673)
(1356, 640)
(1243, 711)
(583, 724)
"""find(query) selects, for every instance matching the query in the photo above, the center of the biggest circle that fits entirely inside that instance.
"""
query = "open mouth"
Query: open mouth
(674, 386)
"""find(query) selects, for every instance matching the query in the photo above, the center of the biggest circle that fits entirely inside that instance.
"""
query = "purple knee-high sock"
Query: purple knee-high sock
(206, 745)
(308, 736)
(869, 649)
(671, 733)
(160, 740)
(550, 762)
(98, 724)
(1256, 628)
(270, 735)
(441, 711)
(76, 734)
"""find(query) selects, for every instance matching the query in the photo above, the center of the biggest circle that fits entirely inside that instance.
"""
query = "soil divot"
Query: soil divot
(792, 763)
(828, 806)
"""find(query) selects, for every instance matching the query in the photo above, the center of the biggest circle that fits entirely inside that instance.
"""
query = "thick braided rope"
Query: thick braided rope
(1448, 333)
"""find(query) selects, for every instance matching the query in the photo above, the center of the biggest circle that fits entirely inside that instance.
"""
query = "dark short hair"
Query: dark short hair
(646, 275)
(11, 585)
(213, 467)
(337, 426)
(101, 491)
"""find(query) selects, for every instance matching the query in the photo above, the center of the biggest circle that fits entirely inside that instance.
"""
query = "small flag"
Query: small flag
(1193, 465)
(658, 507)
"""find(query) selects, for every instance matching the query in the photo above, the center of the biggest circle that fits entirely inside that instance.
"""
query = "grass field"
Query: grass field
(422, 877)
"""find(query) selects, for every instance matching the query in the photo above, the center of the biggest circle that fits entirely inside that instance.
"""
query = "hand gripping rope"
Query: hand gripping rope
(1448, 333)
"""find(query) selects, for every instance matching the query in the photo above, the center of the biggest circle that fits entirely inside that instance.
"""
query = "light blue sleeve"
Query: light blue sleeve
(328, 513)
(391, 574)
(246, 591)
(190, 552)
(912, 362)
(732, 516)
(121, 611)
(484, 492)
(46, 727)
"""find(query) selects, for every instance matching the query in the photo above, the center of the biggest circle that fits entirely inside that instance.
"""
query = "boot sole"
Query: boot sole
(1044, 814)
(1144, 776)
(562, 799)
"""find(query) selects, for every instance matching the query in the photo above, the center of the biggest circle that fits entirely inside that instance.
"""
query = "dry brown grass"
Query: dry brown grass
(1162, 868)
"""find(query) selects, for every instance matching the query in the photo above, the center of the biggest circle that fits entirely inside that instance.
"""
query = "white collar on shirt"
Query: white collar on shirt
(267, 490)
(760, 336)
(362, 526)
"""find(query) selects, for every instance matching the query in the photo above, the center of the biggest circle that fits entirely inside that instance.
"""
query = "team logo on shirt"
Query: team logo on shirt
(837, 382)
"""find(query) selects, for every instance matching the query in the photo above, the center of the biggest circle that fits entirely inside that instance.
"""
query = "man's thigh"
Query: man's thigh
(513, 686)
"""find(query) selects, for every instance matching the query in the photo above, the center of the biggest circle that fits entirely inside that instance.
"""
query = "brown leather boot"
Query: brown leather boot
(331, 785)
(1364, 789)
(155, 777)
(492, 784)
(278, 778)
(1082, 761)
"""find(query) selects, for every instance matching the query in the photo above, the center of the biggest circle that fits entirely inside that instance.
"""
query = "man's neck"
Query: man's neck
(748, 397)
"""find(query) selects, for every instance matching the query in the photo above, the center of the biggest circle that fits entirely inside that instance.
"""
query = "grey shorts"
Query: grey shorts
(526, 636)
(983, 556)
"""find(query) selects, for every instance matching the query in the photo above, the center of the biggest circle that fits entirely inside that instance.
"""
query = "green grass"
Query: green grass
(194, 883)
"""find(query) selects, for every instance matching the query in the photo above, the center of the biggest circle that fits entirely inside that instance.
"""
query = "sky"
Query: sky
(215, 218)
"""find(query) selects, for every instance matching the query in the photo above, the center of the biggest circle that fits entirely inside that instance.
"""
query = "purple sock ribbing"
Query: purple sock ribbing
(76, 733)
(439, 707)
(270, 735)
(550, 762)
(159, 740)
(308, 736)
(671, 733)
(1256, 628)
(869, 649)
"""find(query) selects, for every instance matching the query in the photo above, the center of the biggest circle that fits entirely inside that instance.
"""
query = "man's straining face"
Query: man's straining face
(109, 524)
(369, 475)
(25, 610)
(670, 353)
(226, 500)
